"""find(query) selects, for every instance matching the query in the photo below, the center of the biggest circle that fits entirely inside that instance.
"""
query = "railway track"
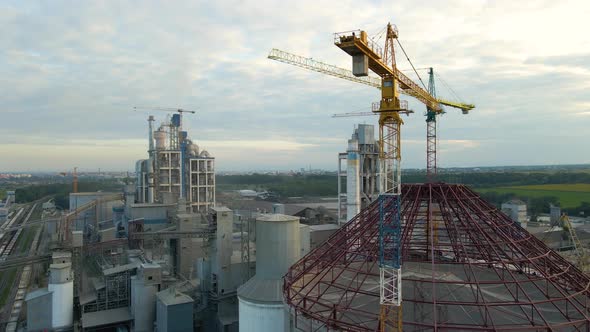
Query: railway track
(6, 237)
(8, 246)
(9, 237)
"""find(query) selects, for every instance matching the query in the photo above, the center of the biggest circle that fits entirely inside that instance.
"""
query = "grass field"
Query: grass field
(8, 279)
(569, 195)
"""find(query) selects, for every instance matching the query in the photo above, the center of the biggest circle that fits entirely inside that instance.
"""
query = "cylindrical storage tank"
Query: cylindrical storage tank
(160, 137)
(62, 304)
(278, 245)
(193, 150)
(151, 175)
(261, 298)
(61, 283)
(261, 316)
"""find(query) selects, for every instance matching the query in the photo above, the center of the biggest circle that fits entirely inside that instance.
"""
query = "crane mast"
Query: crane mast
(365, 56)
(431, 131)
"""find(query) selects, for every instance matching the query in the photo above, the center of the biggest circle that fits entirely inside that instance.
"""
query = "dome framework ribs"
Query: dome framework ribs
(466, 266)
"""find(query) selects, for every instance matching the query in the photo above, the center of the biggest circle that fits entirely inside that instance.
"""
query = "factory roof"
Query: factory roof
(323, 227)
(88, 297)
(106, 317)
(61, 254)
(515, 202)
(120, 268)
(150, 265)
(172, 297)
(277, 217)
(290, 209)
(221, 209)
(60, 265)
(37, 293)
(151, 205)
(94, 193)
(97, 283)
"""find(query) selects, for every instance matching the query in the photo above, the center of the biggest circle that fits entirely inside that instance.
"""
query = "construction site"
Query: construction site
(166, 255)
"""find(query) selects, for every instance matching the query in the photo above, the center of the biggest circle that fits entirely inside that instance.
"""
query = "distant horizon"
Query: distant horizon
(296, 169)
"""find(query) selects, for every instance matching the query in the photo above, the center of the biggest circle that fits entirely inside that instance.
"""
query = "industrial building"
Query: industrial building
(358, 171)
(516, 210)
(176, 165)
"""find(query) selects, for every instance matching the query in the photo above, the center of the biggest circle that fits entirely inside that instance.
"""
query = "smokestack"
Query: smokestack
(150, 163)
(151, 135)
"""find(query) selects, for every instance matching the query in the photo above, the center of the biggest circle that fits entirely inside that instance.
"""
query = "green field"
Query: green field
(569, 195)
(8, 276)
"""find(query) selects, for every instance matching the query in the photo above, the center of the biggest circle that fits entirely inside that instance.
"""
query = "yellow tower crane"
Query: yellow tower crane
(328, 69)
(74, 179)
(367, 55)
(581, 256)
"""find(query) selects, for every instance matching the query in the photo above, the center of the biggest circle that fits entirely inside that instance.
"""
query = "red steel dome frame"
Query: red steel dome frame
(466, 267)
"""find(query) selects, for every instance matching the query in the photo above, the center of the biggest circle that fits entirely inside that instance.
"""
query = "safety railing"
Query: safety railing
(403, 106)
(350, 36)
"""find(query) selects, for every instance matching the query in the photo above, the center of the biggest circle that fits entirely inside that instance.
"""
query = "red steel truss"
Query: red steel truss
(466, 267)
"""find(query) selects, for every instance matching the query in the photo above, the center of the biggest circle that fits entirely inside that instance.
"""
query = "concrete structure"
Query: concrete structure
(144, 287)
(353, 193)
(260, 299)
(91, 216)
(360, 176)
(61, 284)
(174, 311)
(39, 310)
(202, 182)
(175, 166)
(554, 214)
(188, 249)
(222, 251)
(318, 234)
(305, 236)
(516, 210)
(107, 234)
(57, 299)
(278, 208)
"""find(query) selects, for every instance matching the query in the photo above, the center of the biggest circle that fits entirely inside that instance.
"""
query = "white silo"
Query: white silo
(261, 298)
(353, 189)
(61, 284)
(160, 136)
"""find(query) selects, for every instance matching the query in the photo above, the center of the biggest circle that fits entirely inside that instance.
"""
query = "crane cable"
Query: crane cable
(380, 34)
(448, 87)
(407, 58)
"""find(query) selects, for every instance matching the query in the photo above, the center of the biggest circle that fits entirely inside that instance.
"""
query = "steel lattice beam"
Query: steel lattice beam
(460, 255)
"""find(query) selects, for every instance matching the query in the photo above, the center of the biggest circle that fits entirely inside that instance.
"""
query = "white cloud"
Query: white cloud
(73, 71)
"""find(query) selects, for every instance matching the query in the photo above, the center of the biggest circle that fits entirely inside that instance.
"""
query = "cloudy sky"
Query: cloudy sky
(71, 72)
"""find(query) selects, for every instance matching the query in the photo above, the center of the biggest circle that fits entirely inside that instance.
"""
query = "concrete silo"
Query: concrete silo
(277, 248)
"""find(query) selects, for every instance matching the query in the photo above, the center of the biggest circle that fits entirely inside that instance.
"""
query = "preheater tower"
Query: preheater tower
(353, 193)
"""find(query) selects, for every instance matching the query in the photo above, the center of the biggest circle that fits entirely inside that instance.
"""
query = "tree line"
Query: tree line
(61, 191)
